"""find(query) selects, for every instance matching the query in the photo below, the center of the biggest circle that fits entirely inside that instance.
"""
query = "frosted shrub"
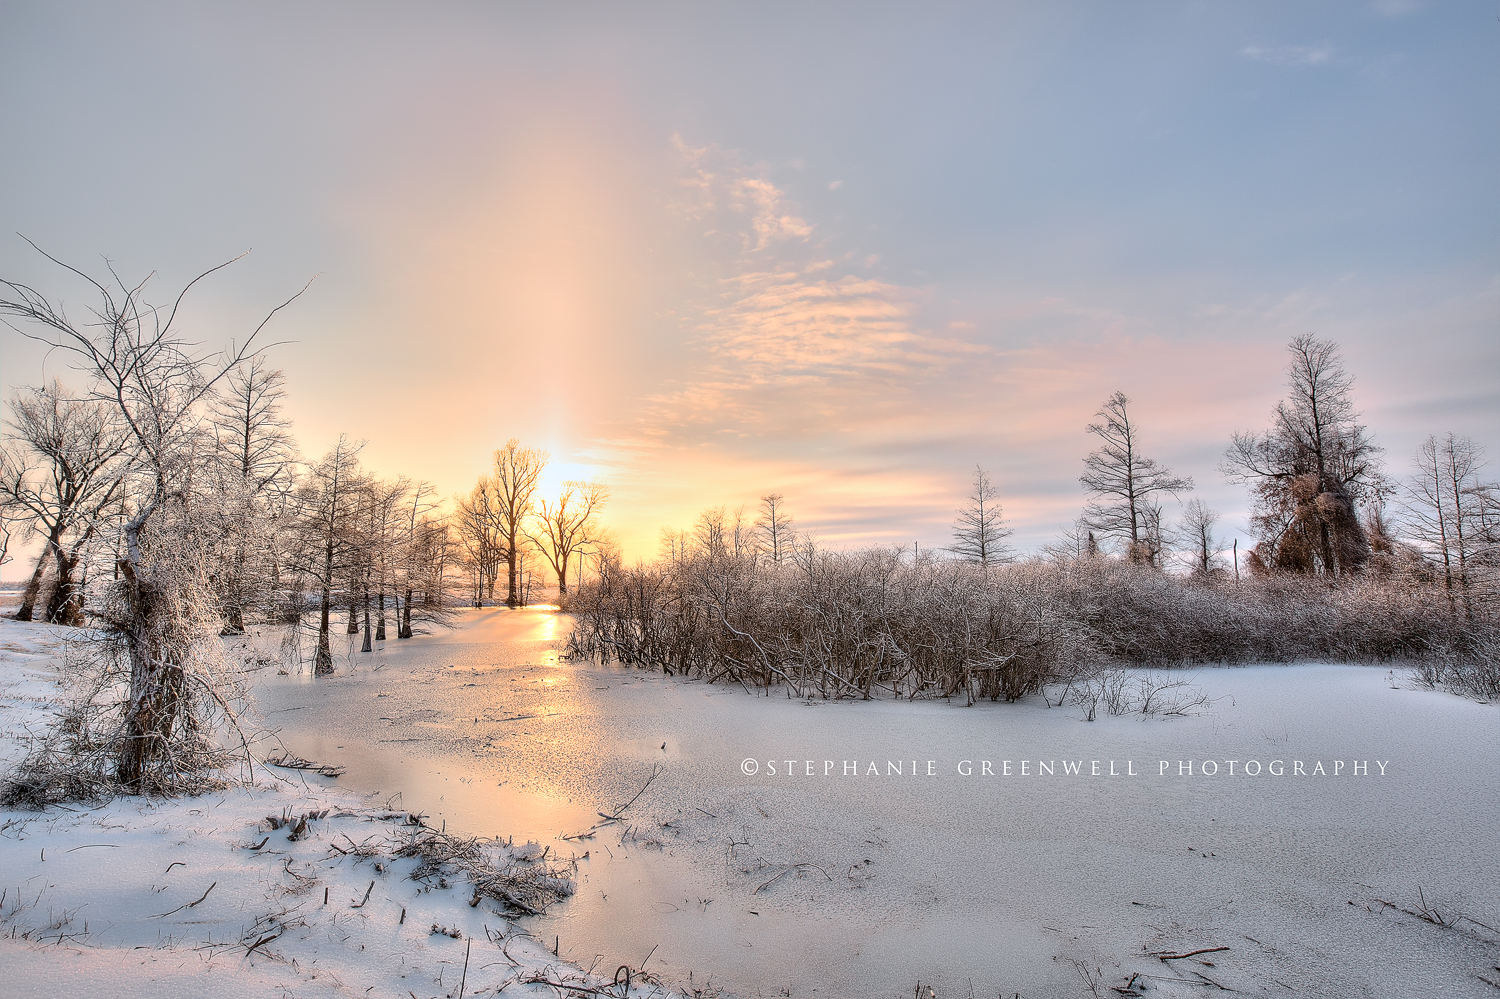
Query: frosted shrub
(197, 695)
(877, 623)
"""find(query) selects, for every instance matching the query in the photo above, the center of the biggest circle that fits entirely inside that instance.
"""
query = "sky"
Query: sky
(845, 252)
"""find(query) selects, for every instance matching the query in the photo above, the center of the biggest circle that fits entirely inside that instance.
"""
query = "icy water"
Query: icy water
(878, 861)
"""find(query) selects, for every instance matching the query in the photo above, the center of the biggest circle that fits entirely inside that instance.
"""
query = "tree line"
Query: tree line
(1322, 500)
(172, 506)
(1332, 574)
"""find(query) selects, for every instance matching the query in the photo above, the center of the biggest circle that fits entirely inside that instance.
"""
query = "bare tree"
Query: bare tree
(774, 528)
(372, 553)
(330, 494)
(1077, 542)
(257, 458)
(1198, 526)
(476, 524)
(1123, 484)
(138, 362)
(568, 527)
(1310, 470)
(422, 548)
(673, 544)
(979, 533)
(1446, 502)
(386, 498)
(517, 471)
(718, 533)
(65, 468)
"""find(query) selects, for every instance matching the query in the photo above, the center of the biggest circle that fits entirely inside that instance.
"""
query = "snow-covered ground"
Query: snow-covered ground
(1341, 880)
(215, 896)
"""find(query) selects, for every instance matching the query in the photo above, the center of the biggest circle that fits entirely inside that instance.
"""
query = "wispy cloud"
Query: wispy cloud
(715, 184)
(1289, 55)
(784, 327)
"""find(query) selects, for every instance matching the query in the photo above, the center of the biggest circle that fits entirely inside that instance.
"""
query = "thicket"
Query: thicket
(882, 623)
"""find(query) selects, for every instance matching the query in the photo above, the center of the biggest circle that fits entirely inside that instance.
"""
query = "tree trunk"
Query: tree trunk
(65, 606)
(353, 628)
(404, 629)
(156, 687)
(34, 585)
(366, 647)
(380, 616)
(234, 611)
(512, 596)
(323, 658)
(153, 638)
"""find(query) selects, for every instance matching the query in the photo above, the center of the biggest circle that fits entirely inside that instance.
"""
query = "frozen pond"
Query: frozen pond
(840, 884)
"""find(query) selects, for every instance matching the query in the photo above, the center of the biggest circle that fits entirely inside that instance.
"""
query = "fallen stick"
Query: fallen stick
(290, 762)
(1222, 988)
(793, 868)
(263, 940)
(362, 901)
(656, 771)
(1165, 956)
(464, 979)
(188, 905)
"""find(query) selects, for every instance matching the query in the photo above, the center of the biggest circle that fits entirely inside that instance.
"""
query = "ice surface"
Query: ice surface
(1007, 881)
(831, 885)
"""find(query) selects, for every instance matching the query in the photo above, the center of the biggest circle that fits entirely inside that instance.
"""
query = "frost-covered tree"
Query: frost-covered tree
(518, 471)
(1450, 513)
(329, 495)
(59, 473)
(1124, 485)
(256, 464)
(164, 615)
(1198, 531)
(775, 530)
(476, 525)
(979, 531)
(1310, 470)
(422, 552)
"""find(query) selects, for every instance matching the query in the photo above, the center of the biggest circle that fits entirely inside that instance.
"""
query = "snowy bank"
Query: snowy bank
(287, 887)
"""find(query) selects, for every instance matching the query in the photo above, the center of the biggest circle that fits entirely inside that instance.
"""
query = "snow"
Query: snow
(1355, 884)
(169, 898)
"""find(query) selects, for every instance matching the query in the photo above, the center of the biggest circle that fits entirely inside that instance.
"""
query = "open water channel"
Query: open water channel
(878, 861)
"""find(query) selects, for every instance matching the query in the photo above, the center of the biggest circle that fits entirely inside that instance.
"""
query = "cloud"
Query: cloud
(715, 184)
(834, 185)
(783, 332)
(1289, 55)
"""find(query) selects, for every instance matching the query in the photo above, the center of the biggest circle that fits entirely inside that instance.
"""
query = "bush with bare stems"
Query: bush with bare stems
(880, 622)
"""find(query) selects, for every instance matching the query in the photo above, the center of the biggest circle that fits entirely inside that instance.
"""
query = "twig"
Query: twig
(656, 772)
(464, 978)
(789, 870)
(1166, 956)
(188, 905)
(362, 901)
(263, 940)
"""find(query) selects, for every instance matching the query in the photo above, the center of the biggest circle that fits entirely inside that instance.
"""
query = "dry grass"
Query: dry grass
(877, 623)
(520, 880)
